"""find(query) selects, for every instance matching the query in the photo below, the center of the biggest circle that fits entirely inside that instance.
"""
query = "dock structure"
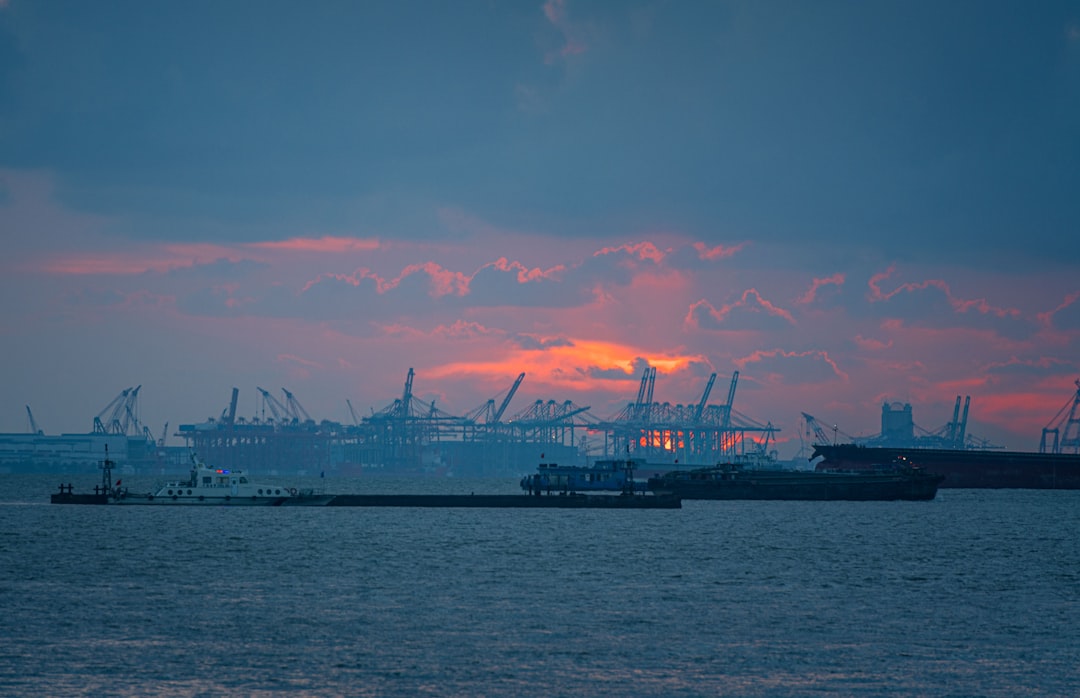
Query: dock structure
(407, 436)
(411, 435)
(509, 501)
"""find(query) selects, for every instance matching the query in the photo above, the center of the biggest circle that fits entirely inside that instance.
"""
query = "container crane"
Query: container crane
(1064, 428)
(123, 414)
(115, 409)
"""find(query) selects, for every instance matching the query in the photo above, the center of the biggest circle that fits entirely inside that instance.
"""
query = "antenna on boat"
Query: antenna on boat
(628, 474)
(106, 472)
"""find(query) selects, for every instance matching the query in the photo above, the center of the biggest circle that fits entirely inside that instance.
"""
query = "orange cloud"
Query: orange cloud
(569, 363)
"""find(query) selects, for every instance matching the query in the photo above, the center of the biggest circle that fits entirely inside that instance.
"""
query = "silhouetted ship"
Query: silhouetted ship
(963, 467)
(732, 481)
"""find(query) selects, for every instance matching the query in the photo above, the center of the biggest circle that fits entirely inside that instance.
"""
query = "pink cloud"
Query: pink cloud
(168, 256)
(798, 361)
(871, 344)
(442, 282)
(306, 363)
(556, 14)
(462, 329)
(1047, 318)
(641, 250)
(324, 245)
(959, 304)
(750, 302)
(524, 274)
(717, 252)
(811, 293)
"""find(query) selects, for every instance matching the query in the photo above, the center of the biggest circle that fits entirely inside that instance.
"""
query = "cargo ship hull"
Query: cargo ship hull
(730, 481)
(963, 468)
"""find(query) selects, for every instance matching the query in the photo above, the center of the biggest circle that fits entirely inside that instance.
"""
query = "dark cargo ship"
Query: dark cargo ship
(732, 481)
(962, 459)
(963, 467)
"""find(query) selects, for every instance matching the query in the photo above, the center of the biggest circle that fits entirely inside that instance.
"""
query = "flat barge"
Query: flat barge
(510, 501)
(457, 501)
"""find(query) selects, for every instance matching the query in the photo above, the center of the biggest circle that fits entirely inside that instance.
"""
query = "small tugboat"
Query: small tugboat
(733, 481)
(602, 476)
(205, 485)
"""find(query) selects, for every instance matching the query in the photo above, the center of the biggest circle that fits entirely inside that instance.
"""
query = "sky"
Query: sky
(849, 203)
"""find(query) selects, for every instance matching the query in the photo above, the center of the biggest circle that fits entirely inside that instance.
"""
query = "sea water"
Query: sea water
(974, 593)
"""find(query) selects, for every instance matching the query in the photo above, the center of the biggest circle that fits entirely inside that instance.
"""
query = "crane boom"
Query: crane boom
(819, 433)
(639, 404)
(114, 409)
(954, 425)
(295, 408)
(406, 395)
(509, 396)
(962, 433)
(1065, 428)
(231, 416)
(34, 429)
(730, 400)
(276, 408)
(704, 398)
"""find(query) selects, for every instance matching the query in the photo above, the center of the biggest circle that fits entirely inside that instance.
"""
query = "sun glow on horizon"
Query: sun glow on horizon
(573, 363)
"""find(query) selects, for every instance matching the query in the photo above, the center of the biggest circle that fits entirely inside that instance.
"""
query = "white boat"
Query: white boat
(207, 485)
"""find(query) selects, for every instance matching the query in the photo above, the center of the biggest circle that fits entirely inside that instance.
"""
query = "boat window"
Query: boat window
(243, 481)
(207, 480)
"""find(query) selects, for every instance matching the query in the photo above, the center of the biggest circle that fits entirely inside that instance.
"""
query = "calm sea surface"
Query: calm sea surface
(974, 594)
